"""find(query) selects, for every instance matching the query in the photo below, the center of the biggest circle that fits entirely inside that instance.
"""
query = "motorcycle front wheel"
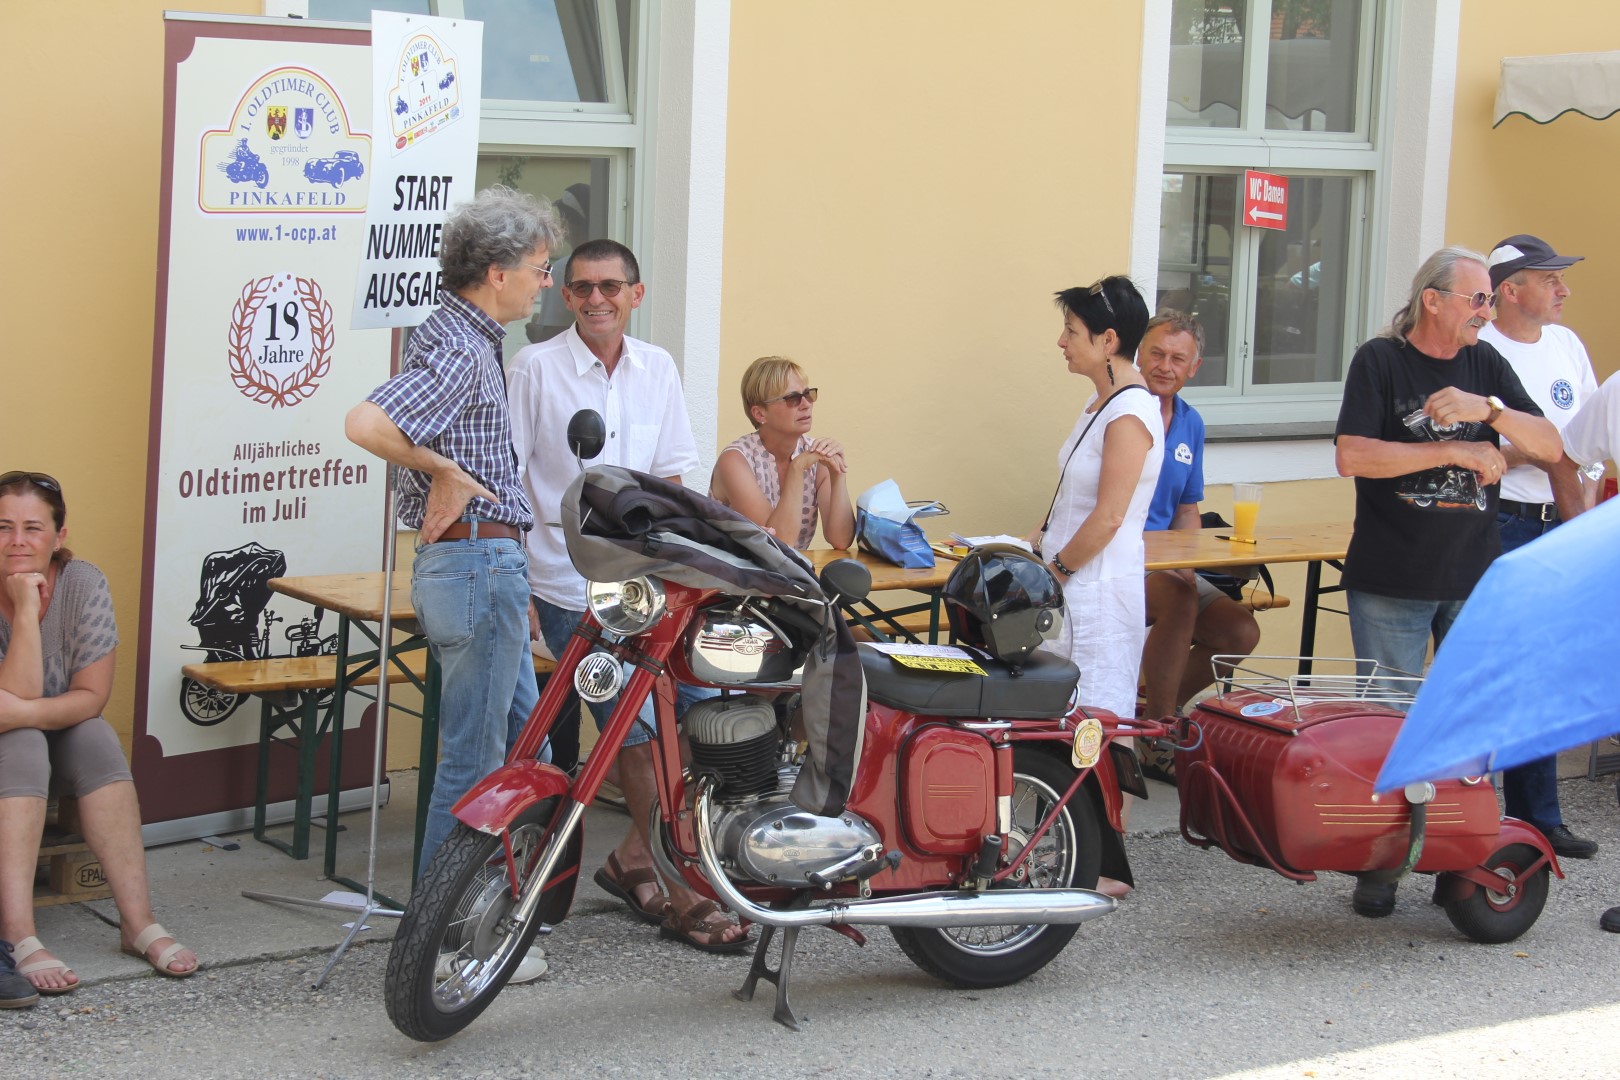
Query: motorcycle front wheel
(454, 949)
(1069, 856)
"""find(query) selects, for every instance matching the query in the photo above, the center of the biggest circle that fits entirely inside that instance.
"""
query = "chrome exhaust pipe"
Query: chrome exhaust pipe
(932, 910)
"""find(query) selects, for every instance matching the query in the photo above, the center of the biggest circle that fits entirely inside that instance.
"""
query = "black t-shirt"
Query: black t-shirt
(1427, 535)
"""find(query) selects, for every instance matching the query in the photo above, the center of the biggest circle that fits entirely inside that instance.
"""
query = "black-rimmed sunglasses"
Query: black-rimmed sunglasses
(38, 479)
(796, 398)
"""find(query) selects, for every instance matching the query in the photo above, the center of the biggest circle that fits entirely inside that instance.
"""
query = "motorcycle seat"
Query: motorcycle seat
(1042, 690)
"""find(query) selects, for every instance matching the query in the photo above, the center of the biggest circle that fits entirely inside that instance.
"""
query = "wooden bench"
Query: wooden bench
(291, 690)
(69, 873)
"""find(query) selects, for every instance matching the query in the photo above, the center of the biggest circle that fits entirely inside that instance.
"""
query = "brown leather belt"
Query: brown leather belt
(487, 530)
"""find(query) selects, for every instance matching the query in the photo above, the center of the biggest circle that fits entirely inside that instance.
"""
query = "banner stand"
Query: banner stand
(371, 907)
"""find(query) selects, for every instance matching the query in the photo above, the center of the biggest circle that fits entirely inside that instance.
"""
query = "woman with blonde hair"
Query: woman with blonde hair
(778, 475)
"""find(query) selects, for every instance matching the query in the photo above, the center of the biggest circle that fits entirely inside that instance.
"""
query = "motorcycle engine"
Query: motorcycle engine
(761, 835)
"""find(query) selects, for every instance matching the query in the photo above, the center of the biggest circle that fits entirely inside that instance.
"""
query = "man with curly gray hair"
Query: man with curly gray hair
(444, 420)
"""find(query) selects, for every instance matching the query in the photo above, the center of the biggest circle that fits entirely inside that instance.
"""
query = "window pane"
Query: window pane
(1197, 230)
(1301, 286)
(1311, 78)
(1206, 63)
(359, 11)
(541, 50)
(579, 188)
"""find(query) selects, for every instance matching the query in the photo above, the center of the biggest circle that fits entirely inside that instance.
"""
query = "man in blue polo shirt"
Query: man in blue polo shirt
(1189, 619)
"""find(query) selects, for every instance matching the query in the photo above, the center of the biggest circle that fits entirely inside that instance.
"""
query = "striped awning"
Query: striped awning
(1544, 88)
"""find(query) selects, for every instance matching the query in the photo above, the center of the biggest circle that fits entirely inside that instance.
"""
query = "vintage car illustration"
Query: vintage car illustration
(449, 77)
(340, 168)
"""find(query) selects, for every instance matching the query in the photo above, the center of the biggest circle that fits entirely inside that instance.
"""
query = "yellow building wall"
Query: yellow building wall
(80, 191)
(1552, 180)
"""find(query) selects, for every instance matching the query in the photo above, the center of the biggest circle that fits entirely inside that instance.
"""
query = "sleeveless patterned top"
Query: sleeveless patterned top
(763, 466)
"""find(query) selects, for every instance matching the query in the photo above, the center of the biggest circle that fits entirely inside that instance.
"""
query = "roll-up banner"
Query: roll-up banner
(267, 148)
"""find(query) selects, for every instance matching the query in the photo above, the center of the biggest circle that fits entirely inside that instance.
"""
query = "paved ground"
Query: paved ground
(1210, 969)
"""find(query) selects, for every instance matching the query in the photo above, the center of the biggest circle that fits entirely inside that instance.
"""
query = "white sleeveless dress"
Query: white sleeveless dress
(1104, 621)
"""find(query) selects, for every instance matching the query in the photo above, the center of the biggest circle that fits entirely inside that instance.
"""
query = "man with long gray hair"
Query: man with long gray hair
(1425, 406)
(444, 420)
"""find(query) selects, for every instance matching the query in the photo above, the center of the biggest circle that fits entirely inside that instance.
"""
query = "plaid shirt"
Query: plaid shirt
(450, 396)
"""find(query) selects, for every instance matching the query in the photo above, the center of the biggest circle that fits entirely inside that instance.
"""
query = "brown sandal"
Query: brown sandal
(701, 918)
(618, 882)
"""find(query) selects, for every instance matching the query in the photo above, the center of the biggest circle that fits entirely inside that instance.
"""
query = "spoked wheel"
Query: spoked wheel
(205, 706)
(456, 946)
(1494, 917)
(1069, 856)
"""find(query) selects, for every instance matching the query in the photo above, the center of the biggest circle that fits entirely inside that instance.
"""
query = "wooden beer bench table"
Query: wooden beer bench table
(907, 622)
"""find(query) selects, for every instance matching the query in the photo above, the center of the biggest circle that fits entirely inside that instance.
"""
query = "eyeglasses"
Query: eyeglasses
(795, 399)
(582, 289)
(1475, 300)
(1098, 290)
(544, 270)
(39, 479)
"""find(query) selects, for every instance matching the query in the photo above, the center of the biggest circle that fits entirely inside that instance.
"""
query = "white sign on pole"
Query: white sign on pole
(426, 74)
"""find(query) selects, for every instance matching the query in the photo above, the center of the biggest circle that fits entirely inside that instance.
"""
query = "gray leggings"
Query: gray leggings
(74, 761)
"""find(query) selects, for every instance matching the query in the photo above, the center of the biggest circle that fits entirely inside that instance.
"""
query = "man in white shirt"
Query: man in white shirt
(636, 389)
(1592, 436)
(1527, 276)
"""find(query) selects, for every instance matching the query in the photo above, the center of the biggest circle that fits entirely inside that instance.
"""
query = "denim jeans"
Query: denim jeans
(1395, 632)
(1529, 791)
(470, 598)
(557, 626)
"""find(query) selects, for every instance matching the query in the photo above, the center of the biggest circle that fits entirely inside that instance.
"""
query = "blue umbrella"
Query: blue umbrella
(1531, 666)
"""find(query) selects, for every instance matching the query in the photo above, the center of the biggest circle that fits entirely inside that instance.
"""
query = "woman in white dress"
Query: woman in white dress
(1092, 539)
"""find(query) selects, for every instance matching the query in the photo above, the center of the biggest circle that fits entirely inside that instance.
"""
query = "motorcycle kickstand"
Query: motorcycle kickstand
(781, 975)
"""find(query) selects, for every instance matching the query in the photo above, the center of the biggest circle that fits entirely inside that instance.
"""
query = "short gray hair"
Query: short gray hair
(1439, 271)
(1179, 322)
(496, 228)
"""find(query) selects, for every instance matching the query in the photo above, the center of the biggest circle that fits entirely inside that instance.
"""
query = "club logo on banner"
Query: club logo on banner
(252, 165)
(421, 68)
(280, 324)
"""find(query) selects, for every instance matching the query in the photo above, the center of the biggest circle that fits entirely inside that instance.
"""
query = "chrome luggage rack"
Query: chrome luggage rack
(1342, 680)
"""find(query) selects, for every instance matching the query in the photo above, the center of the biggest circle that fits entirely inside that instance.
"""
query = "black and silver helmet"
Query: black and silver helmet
(1004, 600)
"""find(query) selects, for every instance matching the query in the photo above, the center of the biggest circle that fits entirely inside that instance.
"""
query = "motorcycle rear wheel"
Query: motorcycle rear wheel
(1492, 918)
(452, 953)
(1069, 856)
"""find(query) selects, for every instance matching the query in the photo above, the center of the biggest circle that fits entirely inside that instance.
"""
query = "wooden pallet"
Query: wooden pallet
(69, 872)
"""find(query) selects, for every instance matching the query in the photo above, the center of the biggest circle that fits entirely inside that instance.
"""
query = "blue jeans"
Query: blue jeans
(1396, 632)
(557, 626)
(1529, 791)
(470, 598)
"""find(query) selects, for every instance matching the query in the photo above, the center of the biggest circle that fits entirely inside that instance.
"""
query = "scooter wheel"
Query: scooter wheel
(1069, 856)
(1492, 918)
(455, 947)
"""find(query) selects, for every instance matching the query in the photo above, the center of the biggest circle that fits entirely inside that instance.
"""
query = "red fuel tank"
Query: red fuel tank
(1302, 773)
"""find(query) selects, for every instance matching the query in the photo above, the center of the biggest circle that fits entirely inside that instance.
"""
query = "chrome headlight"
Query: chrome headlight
(626, 607)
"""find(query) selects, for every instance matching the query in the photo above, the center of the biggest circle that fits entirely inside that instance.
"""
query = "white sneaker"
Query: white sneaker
(532, 967)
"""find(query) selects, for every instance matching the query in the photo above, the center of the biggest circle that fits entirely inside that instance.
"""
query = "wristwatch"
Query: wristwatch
(1497, 408)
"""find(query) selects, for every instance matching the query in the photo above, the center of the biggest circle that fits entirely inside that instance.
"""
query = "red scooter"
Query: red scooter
(979, 808)
(1279, 772)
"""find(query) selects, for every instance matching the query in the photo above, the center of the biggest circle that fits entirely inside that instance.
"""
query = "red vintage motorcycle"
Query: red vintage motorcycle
(1279, 772)
(969, 814)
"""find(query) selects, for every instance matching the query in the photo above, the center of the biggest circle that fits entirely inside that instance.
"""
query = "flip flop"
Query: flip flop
(614, 880)
(27, 947)
(696, 920)
(143, 941)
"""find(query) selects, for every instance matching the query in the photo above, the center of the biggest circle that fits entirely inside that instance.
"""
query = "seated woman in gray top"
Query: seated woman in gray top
(58, 644)
(779, 476)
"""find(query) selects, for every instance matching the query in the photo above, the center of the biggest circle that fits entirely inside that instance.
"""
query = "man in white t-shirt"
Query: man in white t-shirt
(1592, 435)
(1527, 276)
(636, 389)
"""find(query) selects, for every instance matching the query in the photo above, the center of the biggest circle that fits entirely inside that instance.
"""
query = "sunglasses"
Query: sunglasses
(582, 289)
(795, 399)
(1475, 300)
(38, 479)
(545, 271)
(1098, 290)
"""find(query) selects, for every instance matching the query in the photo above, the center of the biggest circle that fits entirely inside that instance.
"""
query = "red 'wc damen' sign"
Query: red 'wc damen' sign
(1265, 200)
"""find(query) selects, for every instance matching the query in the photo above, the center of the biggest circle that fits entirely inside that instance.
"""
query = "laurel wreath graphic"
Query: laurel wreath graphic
(251, 379)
